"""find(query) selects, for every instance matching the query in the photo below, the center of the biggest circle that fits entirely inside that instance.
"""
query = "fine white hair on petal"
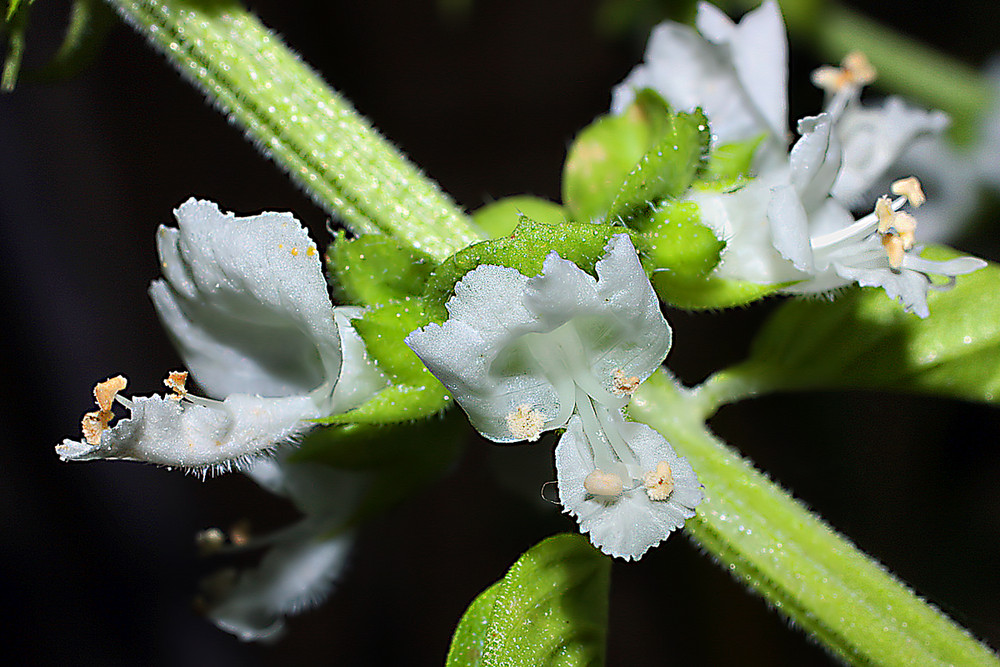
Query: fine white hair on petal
(629, 525)
(175, 433)
(232, 287)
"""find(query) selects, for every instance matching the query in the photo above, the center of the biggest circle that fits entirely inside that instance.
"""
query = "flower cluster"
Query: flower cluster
(563, 350)
(792, 222)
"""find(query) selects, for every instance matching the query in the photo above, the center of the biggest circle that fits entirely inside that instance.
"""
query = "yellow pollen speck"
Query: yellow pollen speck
(659, 483)
(624, 386)
(176, 381)
(600, 483)
(295, 251)
(310, 251)
(281, 246)
(525, 423)
(105, 392)
(909, 188)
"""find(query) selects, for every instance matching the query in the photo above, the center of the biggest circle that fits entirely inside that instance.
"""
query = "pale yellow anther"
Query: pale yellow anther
(883, 209)
(94, 424)
(105, 392)
(905, 226)
(894, 250)
(525, 423)
(855, 71)
(659, 483)
(600, 483)
(909, 188)
(176, 381)
(622, 385)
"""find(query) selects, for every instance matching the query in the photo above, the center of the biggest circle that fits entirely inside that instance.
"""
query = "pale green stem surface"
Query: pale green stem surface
(297, 120)
(810, 573)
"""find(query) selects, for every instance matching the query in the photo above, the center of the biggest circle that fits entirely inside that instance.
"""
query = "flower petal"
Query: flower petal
(626, 526)
(233, 286)
(218, 435)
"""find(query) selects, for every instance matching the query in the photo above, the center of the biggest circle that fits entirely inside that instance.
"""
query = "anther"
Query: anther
(894, 250)
(855, 71)
(175, 381)
(525, 423)
(624, 386)
(104, 392)
(659, 483)
(909, 188)
(606, 484)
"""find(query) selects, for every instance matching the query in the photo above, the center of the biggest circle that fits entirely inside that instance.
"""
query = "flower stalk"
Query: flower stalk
(800, 565)
(297, 120)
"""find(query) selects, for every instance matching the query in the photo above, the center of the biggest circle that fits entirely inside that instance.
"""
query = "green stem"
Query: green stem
(731, 385)
(805, 569)
(297, 120)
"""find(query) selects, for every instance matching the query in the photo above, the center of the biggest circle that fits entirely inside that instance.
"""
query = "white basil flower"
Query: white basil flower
(247, 305)
(736, 73)
(565, 350)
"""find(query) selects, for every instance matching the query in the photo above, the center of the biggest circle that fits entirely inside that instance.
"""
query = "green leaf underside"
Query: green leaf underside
(861, 339)
(525, 250)
(807, 571)
(500, 218)
(375, 269)
(296, 119)
(551, 609)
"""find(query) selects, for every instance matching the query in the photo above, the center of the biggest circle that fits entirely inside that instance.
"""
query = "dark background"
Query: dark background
(97, 564)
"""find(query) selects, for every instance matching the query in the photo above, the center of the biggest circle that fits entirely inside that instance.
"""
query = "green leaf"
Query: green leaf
(606, 151)
(525, 250)
(676, 240)
(667, 170)
(374, 269)
(499, 218)
(729, 164)
(862, 339)
(707, 292)
(17, 26)
(551, 609)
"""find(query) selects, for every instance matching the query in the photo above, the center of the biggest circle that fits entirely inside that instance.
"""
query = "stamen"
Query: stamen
(894, 249)
(104, 392)
(600, 483)
(855, 71)
(909, 188)
(94, 424)
(525, 423)
(176, 381)
(659, 483)
(623, 386)
(883, 209)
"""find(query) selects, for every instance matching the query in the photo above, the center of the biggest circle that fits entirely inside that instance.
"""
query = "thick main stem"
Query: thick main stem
(297, 120)
(803, 567)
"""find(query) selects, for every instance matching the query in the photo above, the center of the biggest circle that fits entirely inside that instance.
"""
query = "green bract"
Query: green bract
(863, 340)
(374, 269)
(550, 609)
(677, 242)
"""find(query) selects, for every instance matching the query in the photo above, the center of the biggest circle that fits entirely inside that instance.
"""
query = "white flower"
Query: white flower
(563, 350)
(303, 561)
(247, 305)
(736, 73)
(791, 223)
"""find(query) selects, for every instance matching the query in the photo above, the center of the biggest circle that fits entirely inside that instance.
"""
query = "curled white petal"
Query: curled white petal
(234, 286)
(201, 436)
(625, 526)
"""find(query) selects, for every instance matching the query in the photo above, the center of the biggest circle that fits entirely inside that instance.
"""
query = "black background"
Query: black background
(97, 564)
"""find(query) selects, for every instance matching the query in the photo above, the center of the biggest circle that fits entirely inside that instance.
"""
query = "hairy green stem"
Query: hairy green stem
(805, 569)
(297, 120)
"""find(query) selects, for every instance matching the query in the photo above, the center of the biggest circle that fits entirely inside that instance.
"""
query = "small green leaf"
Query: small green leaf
(676, 240)
(375, 269)
(525, 250)
(667, 170)
(395, 404)
(383, 329)
(551, 609)
(863, 339)
(499, 218)
(606, 151)
(17, 26)
(729, 164)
